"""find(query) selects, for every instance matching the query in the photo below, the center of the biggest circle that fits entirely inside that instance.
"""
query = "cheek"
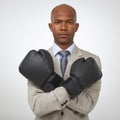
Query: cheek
(72, 30)
(55, 29)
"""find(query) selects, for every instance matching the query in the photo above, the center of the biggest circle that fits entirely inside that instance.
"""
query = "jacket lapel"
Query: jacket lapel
(76, 53)
(57, 68)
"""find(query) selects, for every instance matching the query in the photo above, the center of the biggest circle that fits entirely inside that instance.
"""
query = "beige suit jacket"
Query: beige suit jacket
(56, 105)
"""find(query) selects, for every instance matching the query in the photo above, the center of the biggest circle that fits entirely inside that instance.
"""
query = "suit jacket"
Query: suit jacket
(56, 105)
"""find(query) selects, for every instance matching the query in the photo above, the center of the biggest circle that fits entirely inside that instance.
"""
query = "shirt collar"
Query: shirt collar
(56, 48)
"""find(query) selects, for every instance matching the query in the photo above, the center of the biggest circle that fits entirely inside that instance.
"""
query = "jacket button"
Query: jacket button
(62, 113)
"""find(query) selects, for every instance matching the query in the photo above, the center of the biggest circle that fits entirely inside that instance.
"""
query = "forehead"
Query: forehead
(60, 12)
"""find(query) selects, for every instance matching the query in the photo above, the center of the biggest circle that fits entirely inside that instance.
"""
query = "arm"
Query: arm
(43, 103)
(37, 67)
(87, 100)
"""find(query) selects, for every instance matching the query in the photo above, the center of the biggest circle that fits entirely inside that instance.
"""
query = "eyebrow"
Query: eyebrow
(64, 20)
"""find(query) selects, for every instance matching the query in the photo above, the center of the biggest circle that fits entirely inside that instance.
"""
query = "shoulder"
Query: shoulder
(87, 54)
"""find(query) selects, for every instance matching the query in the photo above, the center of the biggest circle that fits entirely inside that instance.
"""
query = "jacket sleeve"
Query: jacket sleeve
(87, 100)
(43, 103)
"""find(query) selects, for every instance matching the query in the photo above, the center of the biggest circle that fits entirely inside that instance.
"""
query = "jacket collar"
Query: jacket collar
(75, 53)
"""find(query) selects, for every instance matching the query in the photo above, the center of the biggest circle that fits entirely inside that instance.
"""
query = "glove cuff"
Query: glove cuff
(72, 87)
(56, 80)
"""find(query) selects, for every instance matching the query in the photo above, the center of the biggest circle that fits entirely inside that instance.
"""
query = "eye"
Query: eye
(57, 22)
(70, 22)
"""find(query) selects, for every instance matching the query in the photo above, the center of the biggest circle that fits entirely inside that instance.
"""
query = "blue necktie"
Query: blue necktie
(63, 60)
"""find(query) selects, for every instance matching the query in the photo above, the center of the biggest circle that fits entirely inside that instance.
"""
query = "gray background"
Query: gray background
(24, 26)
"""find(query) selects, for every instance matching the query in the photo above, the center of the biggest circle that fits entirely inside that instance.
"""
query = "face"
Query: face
(63, 26)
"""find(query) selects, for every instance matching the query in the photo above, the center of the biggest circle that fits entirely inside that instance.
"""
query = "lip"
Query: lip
(63, 35)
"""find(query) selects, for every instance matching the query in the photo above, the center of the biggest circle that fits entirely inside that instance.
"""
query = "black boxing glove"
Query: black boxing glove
(83, 73)
(37, 66)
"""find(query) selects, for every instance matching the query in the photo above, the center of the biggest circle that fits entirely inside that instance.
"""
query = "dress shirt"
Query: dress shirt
(56, 49)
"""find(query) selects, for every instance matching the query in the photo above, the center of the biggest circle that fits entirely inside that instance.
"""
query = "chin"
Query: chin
(64, 42)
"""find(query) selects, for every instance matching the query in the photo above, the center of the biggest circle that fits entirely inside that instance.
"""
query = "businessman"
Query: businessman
(64, 81)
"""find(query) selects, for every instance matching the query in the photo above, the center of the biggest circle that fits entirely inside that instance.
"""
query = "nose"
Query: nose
(63, 27)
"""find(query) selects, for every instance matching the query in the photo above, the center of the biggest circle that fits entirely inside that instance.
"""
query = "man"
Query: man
(57, 103)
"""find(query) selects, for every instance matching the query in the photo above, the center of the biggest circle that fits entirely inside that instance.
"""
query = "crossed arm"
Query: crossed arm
(43, 103)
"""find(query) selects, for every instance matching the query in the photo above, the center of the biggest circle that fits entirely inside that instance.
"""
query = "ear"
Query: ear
(50, 26)
(76, 27)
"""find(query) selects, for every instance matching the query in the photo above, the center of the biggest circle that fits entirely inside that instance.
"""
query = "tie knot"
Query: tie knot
(64, 53)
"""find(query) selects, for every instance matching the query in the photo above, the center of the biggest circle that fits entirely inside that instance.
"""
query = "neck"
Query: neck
(64, 46)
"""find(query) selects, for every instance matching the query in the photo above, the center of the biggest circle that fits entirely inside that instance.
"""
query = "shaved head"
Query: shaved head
(62, 8)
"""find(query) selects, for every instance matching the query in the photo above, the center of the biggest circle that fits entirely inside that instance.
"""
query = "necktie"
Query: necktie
(63, 60)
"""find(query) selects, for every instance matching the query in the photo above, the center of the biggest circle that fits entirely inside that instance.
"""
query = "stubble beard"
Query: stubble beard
(66, 42)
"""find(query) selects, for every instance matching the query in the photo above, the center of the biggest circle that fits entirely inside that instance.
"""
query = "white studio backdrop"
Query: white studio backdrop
(24, 26)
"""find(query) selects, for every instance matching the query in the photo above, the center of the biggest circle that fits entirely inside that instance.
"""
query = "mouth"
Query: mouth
(63, 35)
